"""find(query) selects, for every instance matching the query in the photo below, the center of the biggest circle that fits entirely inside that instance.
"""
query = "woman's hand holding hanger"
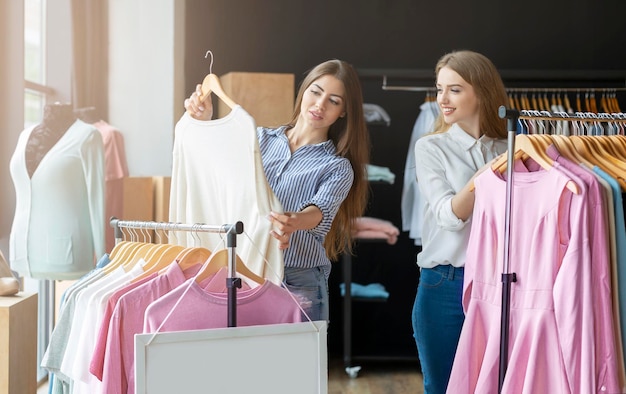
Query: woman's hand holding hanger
(201, 110)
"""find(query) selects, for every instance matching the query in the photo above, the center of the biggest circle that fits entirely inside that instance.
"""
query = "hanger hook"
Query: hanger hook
(210, 65)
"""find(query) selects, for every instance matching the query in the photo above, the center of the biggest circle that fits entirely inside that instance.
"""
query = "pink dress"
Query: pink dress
(551, 332)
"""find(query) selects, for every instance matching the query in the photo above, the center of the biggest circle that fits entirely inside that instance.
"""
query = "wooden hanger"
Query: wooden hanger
(211, 83)
(511, 101)
(525, 146)
(164, 256)
(192, 256)
(600, 157)
(619, 143)
(565, 148)
(122, 247)
(518, 105)
(546, 103)
(613, 147)
(140, 254)
(123, 255)
(567, 104)
(117, 248)
(615, 104)
(533, 101)
(219, 260)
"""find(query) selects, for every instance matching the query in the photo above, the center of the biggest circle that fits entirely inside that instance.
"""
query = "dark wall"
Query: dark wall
(292, 36)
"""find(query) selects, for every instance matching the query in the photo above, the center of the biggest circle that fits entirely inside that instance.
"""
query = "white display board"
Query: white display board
(278, 358)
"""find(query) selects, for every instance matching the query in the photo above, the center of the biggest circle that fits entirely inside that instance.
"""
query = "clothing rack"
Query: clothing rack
(515, 80)
(231, 231)
(576, 117)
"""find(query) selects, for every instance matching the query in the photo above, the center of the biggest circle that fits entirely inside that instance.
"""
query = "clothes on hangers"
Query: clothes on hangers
(562, 336)
(115, 170)
(189, 307)
(218, 177)
(412, 203)
(113, 359)
(91, 349)
(90, 303)
(375, 114)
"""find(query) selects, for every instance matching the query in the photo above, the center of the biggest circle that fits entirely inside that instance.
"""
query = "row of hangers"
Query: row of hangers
(158, 256)
(580, 123)
(211, 84)
(548, 100)
(544, 100)
(606, 152)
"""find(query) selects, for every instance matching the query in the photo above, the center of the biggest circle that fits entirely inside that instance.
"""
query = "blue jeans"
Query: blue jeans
(310, 287)
(437, 320)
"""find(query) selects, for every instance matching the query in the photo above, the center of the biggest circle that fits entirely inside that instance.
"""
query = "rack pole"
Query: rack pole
(232, 281)
(507, 277)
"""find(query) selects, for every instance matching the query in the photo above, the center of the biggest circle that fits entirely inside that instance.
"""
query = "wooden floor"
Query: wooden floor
(380, 377)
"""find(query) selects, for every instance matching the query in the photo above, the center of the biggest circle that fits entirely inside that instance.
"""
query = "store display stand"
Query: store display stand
(231, 231)
(276, 357)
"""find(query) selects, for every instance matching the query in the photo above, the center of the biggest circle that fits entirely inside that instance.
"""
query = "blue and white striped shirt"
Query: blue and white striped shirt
(312, 175)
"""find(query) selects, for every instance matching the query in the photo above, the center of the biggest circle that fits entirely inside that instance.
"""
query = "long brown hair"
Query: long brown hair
(351, 138)
(477, 70)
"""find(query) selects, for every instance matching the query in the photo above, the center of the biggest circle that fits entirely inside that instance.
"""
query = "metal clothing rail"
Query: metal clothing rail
(514, 80)
(231, 231)
(508, 277)
(577, 116)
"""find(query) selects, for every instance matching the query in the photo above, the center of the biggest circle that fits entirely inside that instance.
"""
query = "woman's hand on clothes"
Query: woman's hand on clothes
(463, 201)
(287, 223)
(485, 167)
(201, 110)
(284, 225)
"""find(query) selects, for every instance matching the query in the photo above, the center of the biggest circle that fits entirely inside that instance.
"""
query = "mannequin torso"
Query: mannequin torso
(57, 119)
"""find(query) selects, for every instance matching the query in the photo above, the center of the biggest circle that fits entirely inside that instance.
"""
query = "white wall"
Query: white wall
(146, 80)
(11, 107)
(146, 85)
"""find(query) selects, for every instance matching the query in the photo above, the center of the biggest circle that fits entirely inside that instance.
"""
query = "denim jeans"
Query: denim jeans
(310, 287)
(437, 320)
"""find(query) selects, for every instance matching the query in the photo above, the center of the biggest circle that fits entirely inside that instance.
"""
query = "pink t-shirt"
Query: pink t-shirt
(199, 309)
(97, 360)
(126, 321)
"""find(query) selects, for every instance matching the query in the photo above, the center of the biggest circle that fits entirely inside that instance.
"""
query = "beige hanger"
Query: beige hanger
(189, 257)
(564, 146)
(524, 146)
(218, 260)
(599, 156)
(211, 83)
(122, 252)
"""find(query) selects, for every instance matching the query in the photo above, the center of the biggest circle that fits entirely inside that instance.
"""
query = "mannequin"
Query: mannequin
(57, 169)
(57, 118)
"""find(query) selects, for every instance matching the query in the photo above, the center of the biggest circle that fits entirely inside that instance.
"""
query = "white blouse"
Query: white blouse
(444, 164)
